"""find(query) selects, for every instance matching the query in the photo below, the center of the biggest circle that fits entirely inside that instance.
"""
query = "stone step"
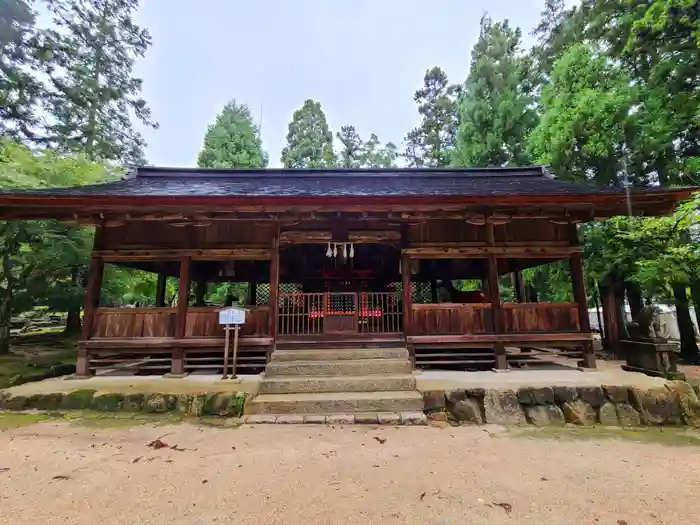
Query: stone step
(331, 354)
(336, 403)
(371, 418)
(376, 383)
(358, 367)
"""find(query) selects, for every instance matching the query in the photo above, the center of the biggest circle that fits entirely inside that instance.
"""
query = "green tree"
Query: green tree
(587, 129)
(496, 109)
(431, 143)
(93, 96)
(351, 147)
(36, 254)
(309, 140)
(374, 155)
(233, 141)
(19, 88)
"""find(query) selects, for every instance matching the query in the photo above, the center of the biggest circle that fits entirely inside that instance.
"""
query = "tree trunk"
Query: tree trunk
(695, 296)
(531, 294)
(689, 346)
(200, 291)
(5, 317)
(619, 287)
(634, 298)
(73, 317)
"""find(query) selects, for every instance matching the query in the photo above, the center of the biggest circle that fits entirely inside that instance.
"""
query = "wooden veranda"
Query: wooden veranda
(335, 256)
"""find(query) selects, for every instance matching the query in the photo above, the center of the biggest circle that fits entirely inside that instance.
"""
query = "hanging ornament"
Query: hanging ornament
(345, 251)
(335, 250)
(329, 253)
(352, 250)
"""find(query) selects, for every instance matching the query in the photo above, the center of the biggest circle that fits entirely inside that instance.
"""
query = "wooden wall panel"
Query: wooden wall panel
(451, 319)
(541, 317)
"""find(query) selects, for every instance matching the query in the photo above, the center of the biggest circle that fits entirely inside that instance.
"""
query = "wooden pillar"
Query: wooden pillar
(433, 292)
(90, 304)
(160, 290)
(494, 294)
(274, 287)
(183, 299)
(200, 291)
(519, 285)
(407, 302)
(579, 289)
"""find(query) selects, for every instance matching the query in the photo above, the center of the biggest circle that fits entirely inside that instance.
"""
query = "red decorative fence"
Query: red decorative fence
(343, 312)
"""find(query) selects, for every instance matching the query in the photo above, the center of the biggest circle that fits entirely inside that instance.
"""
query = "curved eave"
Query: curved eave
(602, 204)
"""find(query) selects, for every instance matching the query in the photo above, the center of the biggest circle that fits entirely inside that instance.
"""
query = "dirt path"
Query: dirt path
(58, 473)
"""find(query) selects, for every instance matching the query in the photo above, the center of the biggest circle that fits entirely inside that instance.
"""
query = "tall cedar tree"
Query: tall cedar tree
(431, 143)
(19, 88)
(309, 140)
(93, 96)
(233, 141)
(497, 106)
(587, 128)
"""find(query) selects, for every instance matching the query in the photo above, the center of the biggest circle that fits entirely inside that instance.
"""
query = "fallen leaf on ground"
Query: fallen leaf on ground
(543, 479)
(381, 440)
(422, 495)
(158, 444)
(621, 522)
(505, 506)
(136, 459)
(233, 448)
(205, 481)
(175, 447)
(61, 477)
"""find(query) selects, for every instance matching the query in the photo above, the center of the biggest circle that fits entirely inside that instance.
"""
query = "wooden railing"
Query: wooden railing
(451, 318)
(541, 317)
(342, 312)
(121, 323)
(204, 322)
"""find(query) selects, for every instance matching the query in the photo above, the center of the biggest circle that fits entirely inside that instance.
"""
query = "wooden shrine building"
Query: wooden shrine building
(333, 256)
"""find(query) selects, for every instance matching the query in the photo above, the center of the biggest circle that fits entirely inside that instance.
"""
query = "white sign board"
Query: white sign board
(232, 316)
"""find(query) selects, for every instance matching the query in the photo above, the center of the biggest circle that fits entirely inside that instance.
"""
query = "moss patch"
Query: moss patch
(79, 399)
(658, 435)
(107, 402)
(20, 419)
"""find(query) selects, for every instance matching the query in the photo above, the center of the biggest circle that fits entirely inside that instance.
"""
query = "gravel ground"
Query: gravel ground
(59, 473)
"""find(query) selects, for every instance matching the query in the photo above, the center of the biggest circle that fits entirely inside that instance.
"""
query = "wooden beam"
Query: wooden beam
(519, 252)
(305, 237)
(203, 254)
(374, 236)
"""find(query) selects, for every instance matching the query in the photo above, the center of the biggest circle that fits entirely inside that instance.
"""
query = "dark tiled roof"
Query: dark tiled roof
(173, 182)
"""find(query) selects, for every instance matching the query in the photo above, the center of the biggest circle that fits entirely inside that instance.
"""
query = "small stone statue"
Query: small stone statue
(646, 326)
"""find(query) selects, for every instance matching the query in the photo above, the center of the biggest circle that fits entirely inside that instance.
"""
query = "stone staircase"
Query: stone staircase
(342, 385)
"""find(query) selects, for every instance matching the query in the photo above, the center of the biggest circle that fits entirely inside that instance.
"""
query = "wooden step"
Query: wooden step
(316, 384)
(336, 403)
(350, 367)
(342, 354)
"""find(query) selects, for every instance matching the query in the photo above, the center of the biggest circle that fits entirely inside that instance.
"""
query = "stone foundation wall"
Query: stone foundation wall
(221, 404)
(676, 403)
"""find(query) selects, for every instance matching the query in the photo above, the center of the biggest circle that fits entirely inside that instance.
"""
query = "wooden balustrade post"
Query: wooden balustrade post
(494, 294)
(579, 289)
(407, 301)
(90, 304)
(177, 368)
